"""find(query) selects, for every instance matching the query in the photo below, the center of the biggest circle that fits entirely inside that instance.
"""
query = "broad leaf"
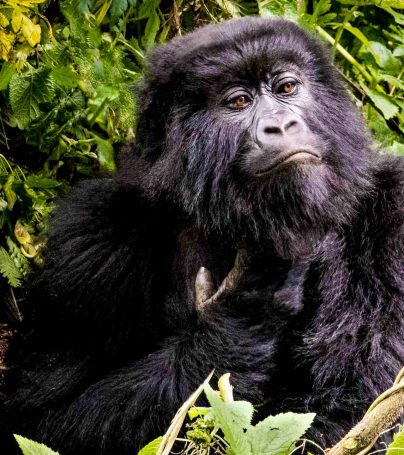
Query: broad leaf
(278, 434)
(27, 92)
(383, 102)
(233, 419)
(105, 153)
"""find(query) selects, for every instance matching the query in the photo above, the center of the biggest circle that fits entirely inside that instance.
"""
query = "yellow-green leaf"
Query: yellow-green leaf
(21, 233)
(16, 19)
(3, 20)
(31, 31)
(6, 43)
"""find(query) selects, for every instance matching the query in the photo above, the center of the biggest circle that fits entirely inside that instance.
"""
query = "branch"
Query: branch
(381, 415)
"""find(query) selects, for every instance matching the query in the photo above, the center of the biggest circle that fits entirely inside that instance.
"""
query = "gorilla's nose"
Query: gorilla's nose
(275, 128)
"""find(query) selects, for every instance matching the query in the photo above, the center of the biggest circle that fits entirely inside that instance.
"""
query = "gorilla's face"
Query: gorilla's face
(261, 142)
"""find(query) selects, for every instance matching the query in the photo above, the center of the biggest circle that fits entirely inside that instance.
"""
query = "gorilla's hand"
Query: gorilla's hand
(205, 292)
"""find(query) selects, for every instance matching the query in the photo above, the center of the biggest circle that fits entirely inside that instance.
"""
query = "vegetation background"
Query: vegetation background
(67, 70)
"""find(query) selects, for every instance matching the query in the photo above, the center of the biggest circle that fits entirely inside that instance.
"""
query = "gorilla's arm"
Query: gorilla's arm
(133, 405)
(352, 326)
(70, 404)
(107, 246)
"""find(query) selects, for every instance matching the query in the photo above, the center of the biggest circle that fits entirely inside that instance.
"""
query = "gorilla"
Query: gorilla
(250, 228)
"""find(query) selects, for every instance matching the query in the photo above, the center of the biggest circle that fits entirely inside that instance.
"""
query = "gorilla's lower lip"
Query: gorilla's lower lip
(295, 156)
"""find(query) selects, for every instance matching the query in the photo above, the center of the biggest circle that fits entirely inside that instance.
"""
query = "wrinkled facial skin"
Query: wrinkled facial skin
(272, 114)
(248, 128)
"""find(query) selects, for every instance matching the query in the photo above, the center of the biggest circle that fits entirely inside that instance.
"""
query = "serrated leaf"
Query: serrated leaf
(27, 92)
(29, 447)
(396, 447)
(383, 102)
(277, 8)
(278, 434)
(152, 447)
(9, 270)
(233, 419)
(105, 153)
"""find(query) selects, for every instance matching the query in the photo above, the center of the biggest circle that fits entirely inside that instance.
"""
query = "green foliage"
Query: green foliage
(276, 435)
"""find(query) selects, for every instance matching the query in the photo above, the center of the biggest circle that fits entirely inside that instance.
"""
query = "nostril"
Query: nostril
(291, 124)
(272, 130)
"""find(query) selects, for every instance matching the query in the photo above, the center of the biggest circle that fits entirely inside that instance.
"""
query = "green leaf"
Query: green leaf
(198, 411)
(396, 447)
(27, 92)
(10, 271)
(383, 56)
(29, 447)
(41, 183)
(233, 419)
(6, 73)
(105, 153)
(278, 434)
(152, 447)
(277, 8)
(356, 32)
(383, 102)
(65, 76)
(118, 7)
(152, 27)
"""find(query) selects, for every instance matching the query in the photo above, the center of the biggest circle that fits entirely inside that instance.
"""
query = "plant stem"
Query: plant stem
(352, 60)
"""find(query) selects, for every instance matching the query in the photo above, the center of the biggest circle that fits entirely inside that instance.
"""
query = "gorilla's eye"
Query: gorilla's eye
(239, 102)
(286, 88)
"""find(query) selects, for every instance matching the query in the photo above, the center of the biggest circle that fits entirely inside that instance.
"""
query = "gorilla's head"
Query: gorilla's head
(247, 127)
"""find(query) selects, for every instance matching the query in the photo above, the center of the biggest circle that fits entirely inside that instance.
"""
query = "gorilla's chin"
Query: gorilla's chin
(287, 215)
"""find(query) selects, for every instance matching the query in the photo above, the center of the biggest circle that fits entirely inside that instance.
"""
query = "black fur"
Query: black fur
(317, 322)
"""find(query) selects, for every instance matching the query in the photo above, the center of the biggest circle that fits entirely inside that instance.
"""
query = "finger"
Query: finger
(204, 287)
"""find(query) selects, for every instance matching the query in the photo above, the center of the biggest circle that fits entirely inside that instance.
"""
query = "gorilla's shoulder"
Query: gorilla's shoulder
(390, 177)
(101, 206)
(385, 209)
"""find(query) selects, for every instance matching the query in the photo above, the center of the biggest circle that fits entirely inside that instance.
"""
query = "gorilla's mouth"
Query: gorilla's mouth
(294, 156)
